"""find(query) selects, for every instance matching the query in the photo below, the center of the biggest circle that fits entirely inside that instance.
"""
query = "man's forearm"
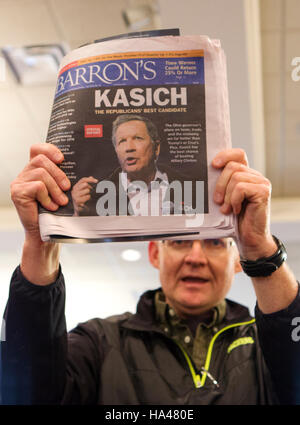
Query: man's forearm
(278, 306)
(40, 261)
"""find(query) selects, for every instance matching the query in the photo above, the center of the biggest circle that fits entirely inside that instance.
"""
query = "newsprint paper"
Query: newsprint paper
(139, 121)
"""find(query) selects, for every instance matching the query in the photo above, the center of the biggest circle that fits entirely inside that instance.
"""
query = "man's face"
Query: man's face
(194, 280)
(135, 150)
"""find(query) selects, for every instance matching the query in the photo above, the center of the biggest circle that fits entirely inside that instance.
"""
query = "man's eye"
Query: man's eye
(216, 243)
(181, 243)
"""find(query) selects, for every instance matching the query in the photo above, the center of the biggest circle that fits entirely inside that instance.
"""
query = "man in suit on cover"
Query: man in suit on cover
(139, 185)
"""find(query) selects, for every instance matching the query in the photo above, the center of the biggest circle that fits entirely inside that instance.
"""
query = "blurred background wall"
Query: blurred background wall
(261, 39)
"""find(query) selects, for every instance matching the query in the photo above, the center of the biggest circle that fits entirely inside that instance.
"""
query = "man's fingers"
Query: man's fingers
(230, 170)
(83, 200)
(43, 162)
(42, 196)
(240, 177)
(90, 179)
(80, 186)
(45, 156)
(246, 190)
(228, 155)
(82, 196)
(83, 191)
(47, 149)
(41, 181)
(45, 182)
(25, 193)
(41, 175)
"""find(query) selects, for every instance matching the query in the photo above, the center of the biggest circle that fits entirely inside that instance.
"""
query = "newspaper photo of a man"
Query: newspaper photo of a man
(139, 186)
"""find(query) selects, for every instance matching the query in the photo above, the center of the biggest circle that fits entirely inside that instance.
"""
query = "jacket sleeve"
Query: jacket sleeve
(33, 348)
(281, 349)
(38, 364)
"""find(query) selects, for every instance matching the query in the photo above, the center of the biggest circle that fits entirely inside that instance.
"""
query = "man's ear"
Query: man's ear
(153, 253)
(157, 149)
(237, 265)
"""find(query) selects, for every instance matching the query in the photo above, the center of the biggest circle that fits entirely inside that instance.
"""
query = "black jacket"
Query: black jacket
(127, 359)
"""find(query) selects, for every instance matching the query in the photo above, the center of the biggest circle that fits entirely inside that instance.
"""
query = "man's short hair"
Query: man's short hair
(121, 119)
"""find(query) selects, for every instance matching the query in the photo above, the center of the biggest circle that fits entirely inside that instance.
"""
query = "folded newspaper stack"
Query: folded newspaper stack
(139, 119)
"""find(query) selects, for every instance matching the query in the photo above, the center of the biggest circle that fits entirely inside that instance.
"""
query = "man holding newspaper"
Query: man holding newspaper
(186, 344)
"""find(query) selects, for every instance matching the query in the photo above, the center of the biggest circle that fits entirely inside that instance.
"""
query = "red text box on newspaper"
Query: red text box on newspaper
(93, 130)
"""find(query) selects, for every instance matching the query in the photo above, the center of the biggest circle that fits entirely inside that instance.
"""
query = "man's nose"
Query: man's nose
(129, 145)
(196, 255)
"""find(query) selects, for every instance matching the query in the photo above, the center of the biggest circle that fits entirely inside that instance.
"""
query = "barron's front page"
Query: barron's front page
(138, 121)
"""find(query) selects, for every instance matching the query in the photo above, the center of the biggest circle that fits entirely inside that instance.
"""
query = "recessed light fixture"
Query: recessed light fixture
(141, 14)
(37, 64)
(131, 255)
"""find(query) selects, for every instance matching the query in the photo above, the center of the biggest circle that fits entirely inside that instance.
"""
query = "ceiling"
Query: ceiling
(25, 111)
(25, 115)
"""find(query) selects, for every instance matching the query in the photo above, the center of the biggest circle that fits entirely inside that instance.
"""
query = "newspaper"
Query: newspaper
(139, 120)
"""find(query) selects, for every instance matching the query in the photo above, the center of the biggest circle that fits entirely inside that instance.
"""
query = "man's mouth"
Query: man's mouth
(131, 160)
(194, 279)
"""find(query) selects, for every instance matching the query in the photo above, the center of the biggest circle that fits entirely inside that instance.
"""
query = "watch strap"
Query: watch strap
(265, 266)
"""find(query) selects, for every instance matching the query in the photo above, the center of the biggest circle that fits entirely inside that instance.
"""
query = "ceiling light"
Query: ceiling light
(35, 65)
(131, 255)
(138, 16)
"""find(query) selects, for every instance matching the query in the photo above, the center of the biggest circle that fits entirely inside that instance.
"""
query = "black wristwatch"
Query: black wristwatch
(265, 266)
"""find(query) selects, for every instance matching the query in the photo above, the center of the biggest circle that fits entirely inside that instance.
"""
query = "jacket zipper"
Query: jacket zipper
(199, 380)
(196, 377)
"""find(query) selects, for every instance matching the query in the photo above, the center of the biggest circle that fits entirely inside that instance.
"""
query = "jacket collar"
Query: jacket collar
(145, 318)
